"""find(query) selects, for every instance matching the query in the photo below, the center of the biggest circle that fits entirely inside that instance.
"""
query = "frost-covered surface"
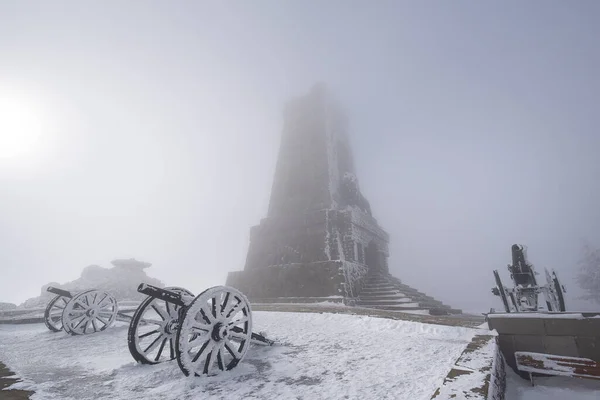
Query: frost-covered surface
(319, 356)
(471, 376)
(567, 315)
(121, 281)
(551, 388)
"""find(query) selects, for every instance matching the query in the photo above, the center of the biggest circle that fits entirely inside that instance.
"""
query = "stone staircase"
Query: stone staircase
(384, 292)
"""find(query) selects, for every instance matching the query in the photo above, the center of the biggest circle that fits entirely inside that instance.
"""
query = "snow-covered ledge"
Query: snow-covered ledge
(479, 373)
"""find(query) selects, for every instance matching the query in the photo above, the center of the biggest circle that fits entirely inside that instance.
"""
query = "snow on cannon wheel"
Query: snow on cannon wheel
(215, 328)
(88, 312)
(215, 332)
(152, 327)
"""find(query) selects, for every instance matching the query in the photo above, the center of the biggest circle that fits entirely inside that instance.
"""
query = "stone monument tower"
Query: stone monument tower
(319, 240)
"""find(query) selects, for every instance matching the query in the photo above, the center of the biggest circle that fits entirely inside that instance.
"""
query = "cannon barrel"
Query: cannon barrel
(59, 292)
(518, 256)
(162, 294)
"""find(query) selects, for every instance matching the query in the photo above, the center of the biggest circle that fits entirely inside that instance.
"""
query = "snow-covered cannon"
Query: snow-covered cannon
(524, 295)
(86, 312)
(207, 333)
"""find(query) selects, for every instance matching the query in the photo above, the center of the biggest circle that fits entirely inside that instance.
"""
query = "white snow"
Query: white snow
(565, 315)
(551, 388)
(318, 356)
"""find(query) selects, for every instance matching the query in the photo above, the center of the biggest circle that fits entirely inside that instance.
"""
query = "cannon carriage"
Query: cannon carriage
(82, 313)
(524, 295)
(206, 334)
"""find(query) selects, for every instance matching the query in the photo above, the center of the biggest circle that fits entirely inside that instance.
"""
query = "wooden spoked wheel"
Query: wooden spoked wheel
(215, 332)
(89, 312)
(53, 313)
(152, 330)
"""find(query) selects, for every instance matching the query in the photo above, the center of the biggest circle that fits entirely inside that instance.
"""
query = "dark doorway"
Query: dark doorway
(372, 259)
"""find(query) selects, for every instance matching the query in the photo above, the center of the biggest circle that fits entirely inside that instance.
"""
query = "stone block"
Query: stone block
(517, 325)
(560, 346)
(575, 327)
(588, 347)
(532, 343)
(507, 347)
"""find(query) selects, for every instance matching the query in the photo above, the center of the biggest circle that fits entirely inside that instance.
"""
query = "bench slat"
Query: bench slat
(557, 365)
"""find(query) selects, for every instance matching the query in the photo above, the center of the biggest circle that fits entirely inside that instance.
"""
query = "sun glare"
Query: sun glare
(20, 127)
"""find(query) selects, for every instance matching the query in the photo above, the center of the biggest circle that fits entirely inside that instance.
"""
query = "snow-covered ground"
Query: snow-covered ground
(551, 388)
(318, 356)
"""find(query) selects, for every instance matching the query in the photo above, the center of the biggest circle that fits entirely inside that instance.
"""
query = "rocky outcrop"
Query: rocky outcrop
(121, 281)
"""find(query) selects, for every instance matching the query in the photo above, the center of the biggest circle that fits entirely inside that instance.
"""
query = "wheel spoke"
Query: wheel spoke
(78, 302)
(162, 346)
(235, 354)
(105, 322)
(94, 325)
(161, 313)
(220, 357)
(148, 333)
(197, 341)
(238, 321)
(206, 348)
(213, 307)
(229, 308)
(79, 323)
(238, 336)
(171, 348)
(233, 311)
(201, 327)
(205, 316)
(151, 321)
(224, 304)
(153, 344)
(74, 318)
(100, 303)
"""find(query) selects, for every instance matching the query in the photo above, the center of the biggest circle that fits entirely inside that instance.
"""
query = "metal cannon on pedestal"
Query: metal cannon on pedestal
(524, 295)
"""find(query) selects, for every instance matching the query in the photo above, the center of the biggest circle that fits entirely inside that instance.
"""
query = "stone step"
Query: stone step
(378, 292)
(377, 284)
(376, 281)
(382, 296)
(362, 302)
(398, 308)
(430, 304)
(386, 287)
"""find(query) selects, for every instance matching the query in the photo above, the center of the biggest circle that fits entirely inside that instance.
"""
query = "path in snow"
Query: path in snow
(326, 356)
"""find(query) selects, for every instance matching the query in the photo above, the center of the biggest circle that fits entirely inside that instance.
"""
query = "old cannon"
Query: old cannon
(86, 312)
(207, 333)
(524, 295)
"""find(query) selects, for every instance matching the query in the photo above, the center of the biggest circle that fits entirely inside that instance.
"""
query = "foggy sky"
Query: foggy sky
(474, 126)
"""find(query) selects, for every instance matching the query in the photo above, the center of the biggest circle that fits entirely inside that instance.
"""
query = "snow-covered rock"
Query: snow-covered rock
(121, 281)
(7, 306)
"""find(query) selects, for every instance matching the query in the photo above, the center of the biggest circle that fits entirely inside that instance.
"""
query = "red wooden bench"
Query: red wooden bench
(549, 364)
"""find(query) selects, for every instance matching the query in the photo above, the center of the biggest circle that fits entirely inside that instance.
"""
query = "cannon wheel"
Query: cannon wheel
(90, 311)
(53, 313)
(216, 329)
(502, 291)
(559, 292)
(152, 325)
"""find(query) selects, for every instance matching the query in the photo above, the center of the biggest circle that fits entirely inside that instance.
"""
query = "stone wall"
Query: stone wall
(321, 279)
(562, 334)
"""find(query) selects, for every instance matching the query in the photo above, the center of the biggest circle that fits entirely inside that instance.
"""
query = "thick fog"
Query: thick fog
(474, 125)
